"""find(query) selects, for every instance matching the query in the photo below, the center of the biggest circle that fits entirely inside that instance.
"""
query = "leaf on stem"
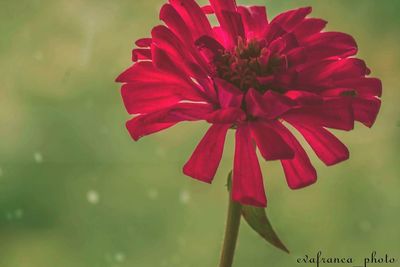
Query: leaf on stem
(257, 219)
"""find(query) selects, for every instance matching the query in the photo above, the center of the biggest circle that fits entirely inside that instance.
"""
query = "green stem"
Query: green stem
(231, 233)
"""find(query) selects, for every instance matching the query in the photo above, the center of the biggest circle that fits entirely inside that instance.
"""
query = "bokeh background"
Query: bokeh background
(75, 191)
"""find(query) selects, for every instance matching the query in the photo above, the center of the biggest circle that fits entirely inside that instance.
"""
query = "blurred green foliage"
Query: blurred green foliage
(76, 191)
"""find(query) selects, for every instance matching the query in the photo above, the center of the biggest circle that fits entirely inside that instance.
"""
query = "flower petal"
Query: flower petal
(328, 148)
(270, 105)
(138, 128)
(290, 19)
(231, 23)
(254, 20)
(143, 42)
(269, 142)
(219, 5)
(145, 124)
(299, 171)
(228, 94)
(174, 21)
(193, 16)
(309, 27)
(207, 9)
(141, 54)
(205, 160)
(247, 183)
(330, 44)
(166, 40)
(148, 97)
(304, 98)
(363, 85)
(334, 113)
(209, 47)
(327, 72)
(366, 110)
(227, 115)
(146, 72)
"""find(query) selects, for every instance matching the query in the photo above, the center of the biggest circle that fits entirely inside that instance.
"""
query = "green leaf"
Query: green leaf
(259, 222)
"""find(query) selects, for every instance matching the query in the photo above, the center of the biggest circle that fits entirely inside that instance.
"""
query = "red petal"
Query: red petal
(292, 18)
(366, 110)
(299, 171)
(144, 42)
(364, 86)
(207, 9)
(304, 98)
(164, 62)
(330, 44)
(273, 31)
(283, 44)
(270, 105)
(338, 92)
(209, 47)
(229, 5)
(270, 143)
(327, 72)
(231, 23)
(146, 72)
(174, 21)
(141, 54)
(349, 68)
(228, 94)
(146, 124)
(254, 20)
(309, 27)
(148, 97)
(193, 16)
(227, 115)
(205, 160)
(166, 40)
(188, 112)
(247, 183)
(333, 113)
(140, 101)
(327, 147)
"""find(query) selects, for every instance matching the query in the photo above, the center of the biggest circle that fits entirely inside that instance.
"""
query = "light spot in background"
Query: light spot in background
(89, 104)
(152, 194)
(93, 197)
(104, 130)
(9, 216)
(19, 213)
(108, 257)
(184, 197)
(38, 55)
(88, 41)
(365, 226)
(14, 215)
(38, 157)
(119, 257)
(175, 259)
(160, 152)
(182, 241)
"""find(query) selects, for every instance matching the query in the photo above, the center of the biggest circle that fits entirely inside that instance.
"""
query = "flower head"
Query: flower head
(255, 76)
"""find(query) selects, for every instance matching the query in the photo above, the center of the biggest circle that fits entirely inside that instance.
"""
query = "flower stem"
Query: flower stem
(231, 233)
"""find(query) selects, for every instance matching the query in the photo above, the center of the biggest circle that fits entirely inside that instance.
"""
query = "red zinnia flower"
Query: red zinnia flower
(255, 76)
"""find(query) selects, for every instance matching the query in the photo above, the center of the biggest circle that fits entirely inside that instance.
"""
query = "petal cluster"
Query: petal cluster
(253, 75)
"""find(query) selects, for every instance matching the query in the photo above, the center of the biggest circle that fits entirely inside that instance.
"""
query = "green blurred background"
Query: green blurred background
(76, 191)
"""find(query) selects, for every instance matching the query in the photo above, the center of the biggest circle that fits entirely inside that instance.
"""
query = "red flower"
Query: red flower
(255, 76)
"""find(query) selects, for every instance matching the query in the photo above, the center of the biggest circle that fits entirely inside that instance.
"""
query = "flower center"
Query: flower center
(249, 65)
